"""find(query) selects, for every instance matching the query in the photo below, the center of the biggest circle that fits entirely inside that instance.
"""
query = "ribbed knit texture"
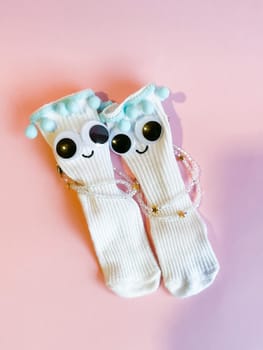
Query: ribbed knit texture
(187, 260)
(114, 220)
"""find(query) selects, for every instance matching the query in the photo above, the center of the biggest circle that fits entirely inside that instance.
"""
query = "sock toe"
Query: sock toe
(136, 288)
(193, 284)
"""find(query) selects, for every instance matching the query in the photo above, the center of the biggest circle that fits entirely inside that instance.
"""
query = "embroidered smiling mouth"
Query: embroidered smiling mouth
(89, 156)
(145, 150)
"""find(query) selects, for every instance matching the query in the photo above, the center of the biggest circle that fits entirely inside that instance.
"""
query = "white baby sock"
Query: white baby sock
(141, 135)
(80, 143)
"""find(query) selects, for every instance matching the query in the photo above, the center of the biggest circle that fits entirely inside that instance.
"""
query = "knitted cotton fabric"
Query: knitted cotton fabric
(187, 260)
(113, 217)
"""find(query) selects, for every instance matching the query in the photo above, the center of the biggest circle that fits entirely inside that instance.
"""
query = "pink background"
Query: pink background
(51, 292)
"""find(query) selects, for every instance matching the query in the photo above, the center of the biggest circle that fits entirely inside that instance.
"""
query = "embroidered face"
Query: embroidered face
(71, 126)
(69, 145)
(144, 132)
(136, 124)
(79, 152)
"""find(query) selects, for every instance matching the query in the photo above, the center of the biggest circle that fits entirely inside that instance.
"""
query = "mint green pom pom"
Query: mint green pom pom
(72, 106)
(61, 109)
(124, 125)
(83, 94)
(147, 107)
(131, 111)
(31, 131)
(35, 116)
(94, 102)
(162, 92)
(48, 125)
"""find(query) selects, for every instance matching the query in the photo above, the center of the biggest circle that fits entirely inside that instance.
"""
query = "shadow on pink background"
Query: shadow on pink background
(234, 309)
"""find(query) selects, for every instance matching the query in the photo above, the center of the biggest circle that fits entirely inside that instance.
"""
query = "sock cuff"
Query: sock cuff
(68, 112)
(134, 104)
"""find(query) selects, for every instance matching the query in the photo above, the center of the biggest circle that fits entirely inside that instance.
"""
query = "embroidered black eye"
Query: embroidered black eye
(121, 143)
(99, 134)
(66, 148)
(152, 130)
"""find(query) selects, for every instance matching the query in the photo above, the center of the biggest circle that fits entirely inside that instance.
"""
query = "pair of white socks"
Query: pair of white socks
(80, 139)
